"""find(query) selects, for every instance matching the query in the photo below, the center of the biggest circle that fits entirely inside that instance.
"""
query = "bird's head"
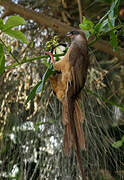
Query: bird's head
(72, 34)
(76, 35)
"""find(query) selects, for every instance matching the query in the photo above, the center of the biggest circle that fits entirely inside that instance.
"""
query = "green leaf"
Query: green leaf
(17, 35)
(39, 88)
(112, 18)
(87, 34)
(45, 77)
(114, 4)
(1, 24)
(104, 26)
(9, 49)
(40, 85)
(110, 23)
(13, 21)
(113, 11)
(87, 25)
(113, 35)
(122, 139)
(2, 60)
(107, 22)
(32, 93)
(117, 144)
(45, 62)
(104, 17)
(114, 40)
(98, 28)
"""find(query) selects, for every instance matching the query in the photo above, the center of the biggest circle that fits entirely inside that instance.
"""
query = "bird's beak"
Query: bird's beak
(69, 34)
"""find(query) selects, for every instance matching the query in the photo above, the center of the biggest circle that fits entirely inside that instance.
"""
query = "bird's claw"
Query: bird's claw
(51, 55)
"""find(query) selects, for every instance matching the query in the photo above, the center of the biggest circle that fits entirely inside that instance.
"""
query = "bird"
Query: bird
(67, 84)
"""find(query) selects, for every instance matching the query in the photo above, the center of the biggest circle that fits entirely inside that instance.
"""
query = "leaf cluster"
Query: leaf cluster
(7, 28)
(106, 25)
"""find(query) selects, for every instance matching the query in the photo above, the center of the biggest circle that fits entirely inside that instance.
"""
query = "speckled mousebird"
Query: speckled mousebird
(67, 85)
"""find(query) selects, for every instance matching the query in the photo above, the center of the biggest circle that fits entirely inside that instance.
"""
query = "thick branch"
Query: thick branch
(56, 25)
(107, 48)
(36, 16)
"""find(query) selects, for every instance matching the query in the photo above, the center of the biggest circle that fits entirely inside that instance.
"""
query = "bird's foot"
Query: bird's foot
(51, 55)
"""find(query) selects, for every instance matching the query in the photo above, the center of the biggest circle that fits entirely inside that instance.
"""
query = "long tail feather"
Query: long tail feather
(67, 139)
(76, 131)
(74, 126)
(78, 118)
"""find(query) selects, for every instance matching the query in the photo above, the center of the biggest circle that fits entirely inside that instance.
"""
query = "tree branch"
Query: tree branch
(41, 19)
(56, 25)
(107, 48)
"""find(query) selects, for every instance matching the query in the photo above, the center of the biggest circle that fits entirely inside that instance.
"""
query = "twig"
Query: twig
(10, 52)
(80, 10)
(31, 60)
(91, 42)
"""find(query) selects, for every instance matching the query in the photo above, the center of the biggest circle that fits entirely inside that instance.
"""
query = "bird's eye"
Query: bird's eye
(72, 33)
(75, 32)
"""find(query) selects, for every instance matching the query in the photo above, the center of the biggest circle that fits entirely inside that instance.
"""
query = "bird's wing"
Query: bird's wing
(78, 66)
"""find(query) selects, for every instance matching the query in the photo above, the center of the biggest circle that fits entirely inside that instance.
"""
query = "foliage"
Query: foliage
(13, 22)
(106, 25)
(6, 28)
(2, 59)
(119, 143)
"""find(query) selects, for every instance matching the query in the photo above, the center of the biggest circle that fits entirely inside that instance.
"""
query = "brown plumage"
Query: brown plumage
(67, 86)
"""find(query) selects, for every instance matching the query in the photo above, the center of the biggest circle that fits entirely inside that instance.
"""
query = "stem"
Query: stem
(10, 52)
(104, 33)
(31, 60)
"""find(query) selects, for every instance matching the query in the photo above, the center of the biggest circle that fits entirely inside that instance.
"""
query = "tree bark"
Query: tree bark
(104, 46)
(41, 19)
